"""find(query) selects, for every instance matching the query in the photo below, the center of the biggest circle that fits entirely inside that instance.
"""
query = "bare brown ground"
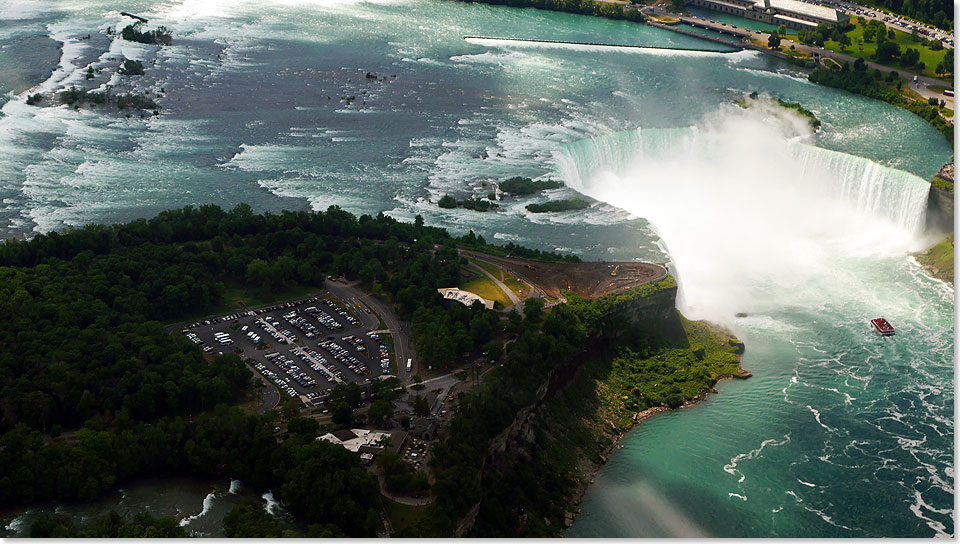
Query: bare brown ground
(589, 280)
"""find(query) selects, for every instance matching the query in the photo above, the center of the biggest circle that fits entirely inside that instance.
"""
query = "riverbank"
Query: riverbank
(869, 79)
(938, 260)
(589, 404)
(707, 341)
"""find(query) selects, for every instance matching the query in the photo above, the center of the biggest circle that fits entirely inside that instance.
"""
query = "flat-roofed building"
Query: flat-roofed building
(790, 13)
(464, 297)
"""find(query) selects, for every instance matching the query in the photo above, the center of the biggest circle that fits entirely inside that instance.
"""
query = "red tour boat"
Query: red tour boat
(883, 326)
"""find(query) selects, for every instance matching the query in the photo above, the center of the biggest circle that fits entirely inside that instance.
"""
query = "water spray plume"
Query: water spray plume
(752, 215)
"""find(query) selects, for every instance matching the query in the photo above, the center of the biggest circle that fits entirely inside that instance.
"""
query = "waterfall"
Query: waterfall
(870, 188)
(751, 215)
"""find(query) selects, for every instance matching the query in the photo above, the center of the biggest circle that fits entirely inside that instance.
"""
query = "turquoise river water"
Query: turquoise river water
(839, 433)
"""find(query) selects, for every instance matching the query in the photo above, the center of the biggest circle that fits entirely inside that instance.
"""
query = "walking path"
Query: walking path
(514, 299)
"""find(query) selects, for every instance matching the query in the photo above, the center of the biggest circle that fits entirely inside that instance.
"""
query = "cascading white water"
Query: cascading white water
(752, 216)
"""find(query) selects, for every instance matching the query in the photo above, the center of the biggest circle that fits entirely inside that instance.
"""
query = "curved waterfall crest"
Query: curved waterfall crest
(869, 188)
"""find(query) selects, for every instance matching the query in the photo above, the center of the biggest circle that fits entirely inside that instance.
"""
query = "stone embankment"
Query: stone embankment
(940, 202)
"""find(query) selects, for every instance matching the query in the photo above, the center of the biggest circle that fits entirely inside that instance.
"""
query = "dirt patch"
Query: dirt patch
(589, 280)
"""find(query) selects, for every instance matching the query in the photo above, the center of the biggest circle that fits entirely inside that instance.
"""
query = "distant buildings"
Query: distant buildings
(464, 297)
(790, 13)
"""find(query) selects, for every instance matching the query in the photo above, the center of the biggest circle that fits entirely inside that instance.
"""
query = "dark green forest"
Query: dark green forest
(542, 342)
(84, 355)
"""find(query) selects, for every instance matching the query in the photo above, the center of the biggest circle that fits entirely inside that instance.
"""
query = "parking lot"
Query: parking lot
(304, 347)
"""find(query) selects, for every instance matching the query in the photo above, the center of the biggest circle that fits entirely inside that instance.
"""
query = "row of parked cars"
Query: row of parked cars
(382, 349)
(283, 382)
(315, 360)
(291, 369)
(284, 305)
(352, 320)
(280, 334)
(906, 24)
(196, 340)
(324, 318)
(356, 342)
(254, 337)
(341, 354)
(302, 324)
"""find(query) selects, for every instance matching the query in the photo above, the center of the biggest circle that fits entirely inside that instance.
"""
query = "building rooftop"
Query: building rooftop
(780, 18)
(464, 297)
(354, 439)
(801, 8)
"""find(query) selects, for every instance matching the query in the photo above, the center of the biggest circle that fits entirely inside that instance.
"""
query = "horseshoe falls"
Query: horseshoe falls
(841, 432)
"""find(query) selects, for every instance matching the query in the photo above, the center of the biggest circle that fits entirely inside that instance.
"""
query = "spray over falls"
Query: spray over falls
(751, 214)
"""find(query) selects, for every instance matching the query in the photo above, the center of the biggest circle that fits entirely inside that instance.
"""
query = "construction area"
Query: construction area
(588, 279)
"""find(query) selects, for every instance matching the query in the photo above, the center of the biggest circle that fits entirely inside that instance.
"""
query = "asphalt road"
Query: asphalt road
(271, 395)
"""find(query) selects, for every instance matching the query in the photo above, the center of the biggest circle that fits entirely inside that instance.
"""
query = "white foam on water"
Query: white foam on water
(235, 486)
(18, 525)
(731, 467)
(816, 415)
(266, 157)
(919, 506)
(271, 506)
(207, 504)
(71, 49)
(593, 48)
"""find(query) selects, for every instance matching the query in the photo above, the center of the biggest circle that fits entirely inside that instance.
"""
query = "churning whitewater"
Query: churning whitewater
(808, 235)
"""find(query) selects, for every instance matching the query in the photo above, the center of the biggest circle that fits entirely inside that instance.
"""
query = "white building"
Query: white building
(791, 13)
(464, 297)
(354, 439)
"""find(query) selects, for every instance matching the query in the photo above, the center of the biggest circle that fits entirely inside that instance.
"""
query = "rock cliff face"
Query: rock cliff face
(940, 202)
(940, 209)
(654, 312)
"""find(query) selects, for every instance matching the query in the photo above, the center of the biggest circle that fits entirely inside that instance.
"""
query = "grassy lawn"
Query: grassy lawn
(939, 88)
(485, 287)
(867, 50)
(939, 259)
(493, 269)
(402, 515)
(517, 286)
